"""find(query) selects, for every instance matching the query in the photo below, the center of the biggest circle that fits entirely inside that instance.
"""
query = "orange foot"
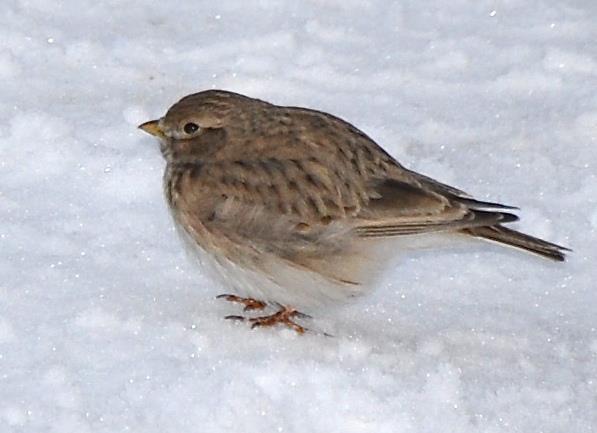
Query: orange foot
(249, 303)
(284, 317)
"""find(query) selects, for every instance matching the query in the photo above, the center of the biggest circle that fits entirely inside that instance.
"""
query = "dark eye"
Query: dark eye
(191, 128)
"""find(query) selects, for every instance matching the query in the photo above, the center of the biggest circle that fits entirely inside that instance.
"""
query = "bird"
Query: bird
(286, 206)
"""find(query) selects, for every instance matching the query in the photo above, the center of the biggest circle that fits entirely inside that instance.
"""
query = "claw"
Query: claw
(294, 313)
(302, 315)
(249, 303)
(284, 317)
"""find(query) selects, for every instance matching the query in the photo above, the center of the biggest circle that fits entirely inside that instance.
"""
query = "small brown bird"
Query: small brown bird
(287, 205)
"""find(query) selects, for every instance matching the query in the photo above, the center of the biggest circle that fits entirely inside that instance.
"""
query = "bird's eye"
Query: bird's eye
(190, 128)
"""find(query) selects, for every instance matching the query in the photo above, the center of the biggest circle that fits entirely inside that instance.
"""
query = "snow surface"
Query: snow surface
(106, 326)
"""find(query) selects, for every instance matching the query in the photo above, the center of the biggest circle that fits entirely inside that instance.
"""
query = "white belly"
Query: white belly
(279, 282)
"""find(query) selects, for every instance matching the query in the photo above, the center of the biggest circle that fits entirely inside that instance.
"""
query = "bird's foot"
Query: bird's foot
(249, 303)
(284, 316)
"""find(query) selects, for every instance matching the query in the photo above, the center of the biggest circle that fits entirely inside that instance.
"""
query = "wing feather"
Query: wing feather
(309, 195)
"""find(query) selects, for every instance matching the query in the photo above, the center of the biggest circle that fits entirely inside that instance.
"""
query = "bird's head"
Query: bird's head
(198, 125)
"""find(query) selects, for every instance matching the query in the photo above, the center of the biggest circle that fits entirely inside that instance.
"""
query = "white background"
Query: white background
(106, 326)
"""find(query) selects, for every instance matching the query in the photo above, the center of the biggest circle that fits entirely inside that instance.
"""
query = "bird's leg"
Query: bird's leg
(284, 316)
(249, 303)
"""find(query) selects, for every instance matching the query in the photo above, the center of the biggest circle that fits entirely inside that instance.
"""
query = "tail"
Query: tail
(516, 239)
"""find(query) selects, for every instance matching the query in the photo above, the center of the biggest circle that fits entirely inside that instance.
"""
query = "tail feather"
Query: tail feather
(516, 239)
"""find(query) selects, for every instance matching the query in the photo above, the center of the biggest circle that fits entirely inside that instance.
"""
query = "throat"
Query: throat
(175, 174)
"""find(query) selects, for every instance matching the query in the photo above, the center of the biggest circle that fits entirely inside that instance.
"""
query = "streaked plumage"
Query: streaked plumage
(288, 204)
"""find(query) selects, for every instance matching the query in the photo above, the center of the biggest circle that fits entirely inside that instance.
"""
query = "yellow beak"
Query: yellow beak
(152, 127)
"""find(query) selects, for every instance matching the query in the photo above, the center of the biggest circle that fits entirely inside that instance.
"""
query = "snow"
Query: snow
(106, 326)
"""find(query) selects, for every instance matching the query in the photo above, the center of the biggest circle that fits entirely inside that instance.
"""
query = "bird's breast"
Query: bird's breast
(189, 209)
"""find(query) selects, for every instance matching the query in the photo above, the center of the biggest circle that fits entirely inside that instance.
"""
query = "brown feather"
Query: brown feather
(516, 239)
